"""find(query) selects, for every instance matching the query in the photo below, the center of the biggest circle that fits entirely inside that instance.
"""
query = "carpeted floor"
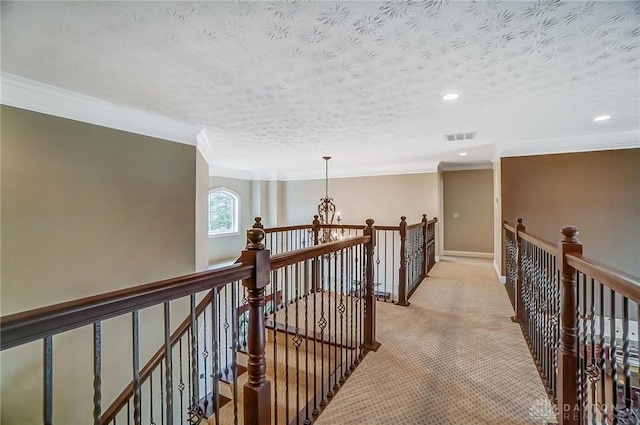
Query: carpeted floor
(452, 357)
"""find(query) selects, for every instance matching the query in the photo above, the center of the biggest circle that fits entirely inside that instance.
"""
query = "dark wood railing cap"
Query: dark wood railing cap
(424, 218)
(520, 220)
(255, 237)
(369, 222)
(570, 234)
(403, 218)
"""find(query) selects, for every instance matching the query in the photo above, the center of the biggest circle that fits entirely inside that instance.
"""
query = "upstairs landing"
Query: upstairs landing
(452, 357)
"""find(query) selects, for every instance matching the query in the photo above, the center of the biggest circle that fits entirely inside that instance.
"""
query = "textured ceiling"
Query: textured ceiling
(280, 84)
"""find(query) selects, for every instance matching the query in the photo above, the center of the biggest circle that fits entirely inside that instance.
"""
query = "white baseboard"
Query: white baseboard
(437, 258)
(468, 254)
(502, 279)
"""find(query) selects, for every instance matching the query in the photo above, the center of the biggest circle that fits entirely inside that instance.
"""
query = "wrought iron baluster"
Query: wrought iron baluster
(297, 340)
(341, 309)
(195, 413)
(97, 372)
(205, 358)
(161, 393)
(137, 418)
(322, 323)
(215, 350)
(47, 402)
(306, 292)
(234, 337)
(315, 276)
(626, 415)
(286, 347)
(613, 357)
(593, 368)
(169, 363)
(334, 298)
(181, 383)
(603, 361)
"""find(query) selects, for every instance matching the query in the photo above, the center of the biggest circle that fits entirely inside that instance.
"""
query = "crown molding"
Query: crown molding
(34, 96)
(593, 142)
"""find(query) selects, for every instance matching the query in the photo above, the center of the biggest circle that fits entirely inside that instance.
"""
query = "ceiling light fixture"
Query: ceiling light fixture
(450, 96)
(327, 209)
(602, 118)
(462, 154)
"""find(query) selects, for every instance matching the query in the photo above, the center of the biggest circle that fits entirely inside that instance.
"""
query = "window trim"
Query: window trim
(236, 212)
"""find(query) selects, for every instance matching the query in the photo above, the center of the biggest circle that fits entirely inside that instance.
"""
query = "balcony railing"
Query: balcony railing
(269, 339)
(404, 255)
(580, 318)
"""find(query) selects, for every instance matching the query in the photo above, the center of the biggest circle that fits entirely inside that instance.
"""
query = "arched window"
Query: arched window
(223, 211)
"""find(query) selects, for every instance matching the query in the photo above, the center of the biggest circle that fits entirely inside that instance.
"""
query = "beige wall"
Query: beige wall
(497, 218)
(202, 212)
(224, 248)
(383, 198)
(599, 192)
(86, 210)
(469, 195)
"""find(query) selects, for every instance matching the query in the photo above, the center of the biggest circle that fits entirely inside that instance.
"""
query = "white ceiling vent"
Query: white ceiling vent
(460, 136)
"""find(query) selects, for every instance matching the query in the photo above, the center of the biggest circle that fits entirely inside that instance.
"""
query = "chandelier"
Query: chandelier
(327, 210)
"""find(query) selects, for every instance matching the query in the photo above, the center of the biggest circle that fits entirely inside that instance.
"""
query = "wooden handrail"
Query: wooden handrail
(624, 284)
(287, 228)
(392, 228)
(547, 246)
(287, 258)
(509, 227)
(413, 226)
(343, 226)
(31, 325)
(126, 394)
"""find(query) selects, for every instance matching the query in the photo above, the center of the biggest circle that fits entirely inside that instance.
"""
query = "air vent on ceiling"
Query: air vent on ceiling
(460, 136)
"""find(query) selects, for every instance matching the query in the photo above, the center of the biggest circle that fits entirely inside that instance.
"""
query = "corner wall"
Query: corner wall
(86, 210)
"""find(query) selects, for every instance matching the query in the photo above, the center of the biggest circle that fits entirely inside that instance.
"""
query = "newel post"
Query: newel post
(258, 224)
(402, 271)
(370, 343)
(315, 228)
(425, 257)
(568, 405)
(518, 290)
(257, 390)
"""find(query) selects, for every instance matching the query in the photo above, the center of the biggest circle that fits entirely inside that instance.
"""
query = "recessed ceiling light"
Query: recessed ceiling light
(602, 118)
(462, 154)
(450, 96)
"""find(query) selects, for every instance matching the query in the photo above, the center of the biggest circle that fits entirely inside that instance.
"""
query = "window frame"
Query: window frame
(236, 212)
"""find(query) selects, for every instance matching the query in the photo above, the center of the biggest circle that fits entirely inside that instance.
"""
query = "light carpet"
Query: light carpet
(452, 357)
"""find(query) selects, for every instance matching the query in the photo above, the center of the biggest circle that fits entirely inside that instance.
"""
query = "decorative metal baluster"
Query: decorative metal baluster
(393, 272)
(245, 308)
(234, 337)
(315, 276)
(286, 347)
(614, 357)
(334, 298)
(352, 295)
(226, 326)
(137, 417)
(593, 368)
(161, 393)
(151, 420)
(627, 414)
(307, 286)
(97, 372)
(297, 340)
(275, 303)
(215, 351)
(384, 278)
(195, 413)
(603, 360)
(169, 362)
(322, 323)
(181, 383)
(341, 309)
(47, 401)
(205, 357)
(581, 332)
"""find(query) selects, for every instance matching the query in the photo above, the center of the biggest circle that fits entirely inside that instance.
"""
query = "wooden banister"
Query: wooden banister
(31, 325)
(288, 258)
(624, 284)
(540, 243)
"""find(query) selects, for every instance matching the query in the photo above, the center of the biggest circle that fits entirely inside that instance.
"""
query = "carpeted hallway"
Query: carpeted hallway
(452, 357)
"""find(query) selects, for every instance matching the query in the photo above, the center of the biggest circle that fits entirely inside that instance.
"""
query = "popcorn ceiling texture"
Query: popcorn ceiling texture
(453, 357)
(286, 82)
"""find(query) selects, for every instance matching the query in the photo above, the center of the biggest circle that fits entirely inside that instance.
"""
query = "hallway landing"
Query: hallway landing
(452, 357)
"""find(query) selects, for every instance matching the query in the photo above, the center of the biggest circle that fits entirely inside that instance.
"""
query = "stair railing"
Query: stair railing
(405, 253)
(580, 318)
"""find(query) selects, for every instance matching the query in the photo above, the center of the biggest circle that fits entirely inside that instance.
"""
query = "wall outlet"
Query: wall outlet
(455, 215)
